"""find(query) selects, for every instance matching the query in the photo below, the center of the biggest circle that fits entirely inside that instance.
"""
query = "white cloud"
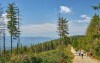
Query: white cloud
(4, 15)
(5, 18)
(85, 18)
(65, 9)
(46, 29)
(3, 21)
(78, 27)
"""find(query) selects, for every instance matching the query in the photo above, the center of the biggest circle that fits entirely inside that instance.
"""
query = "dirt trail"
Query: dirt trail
(78, 59)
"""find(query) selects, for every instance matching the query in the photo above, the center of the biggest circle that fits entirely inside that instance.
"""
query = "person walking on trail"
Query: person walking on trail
(82, 53)
(79, 52)
(91, 53)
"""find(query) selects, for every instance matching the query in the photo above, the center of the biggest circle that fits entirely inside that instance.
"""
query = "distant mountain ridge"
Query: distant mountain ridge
(27, 41)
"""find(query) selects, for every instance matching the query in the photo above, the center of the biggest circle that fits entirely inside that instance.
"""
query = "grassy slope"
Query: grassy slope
(60, 55)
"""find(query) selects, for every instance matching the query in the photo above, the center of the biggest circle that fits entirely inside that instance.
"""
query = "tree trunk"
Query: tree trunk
(17, 48)
(11, 44)
(4, 43)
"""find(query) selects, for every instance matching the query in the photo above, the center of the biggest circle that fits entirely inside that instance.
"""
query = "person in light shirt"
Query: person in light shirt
(82, 53)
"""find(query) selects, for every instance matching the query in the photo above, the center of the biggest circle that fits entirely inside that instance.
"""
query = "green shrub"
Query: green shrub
(61, 54)
(36, 60)
(3, 60)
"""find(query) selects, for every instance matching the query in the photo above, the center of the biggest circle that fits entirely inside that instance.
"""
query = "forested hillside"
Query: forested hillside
(48, 52)
(91, 40)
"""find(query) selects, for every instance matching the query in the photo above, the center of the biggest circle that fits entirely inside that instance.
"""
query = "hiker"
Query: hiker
(82, 53)
(79, 52)
(91, 53)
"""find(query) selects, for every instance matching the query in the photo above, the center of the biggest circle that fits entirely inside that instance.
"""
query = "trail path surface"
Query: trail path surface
(78, 59)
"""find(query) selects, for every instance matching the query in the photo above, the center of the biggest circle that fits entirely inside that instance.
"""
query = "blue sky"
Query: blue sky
(39, 17)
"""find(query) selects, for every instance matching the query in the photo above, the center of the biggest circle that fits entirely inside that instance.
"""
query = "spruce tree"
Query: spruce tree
(97, 7)
(63, 30)
(18, 30)
(93, 31)
(12, 21)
